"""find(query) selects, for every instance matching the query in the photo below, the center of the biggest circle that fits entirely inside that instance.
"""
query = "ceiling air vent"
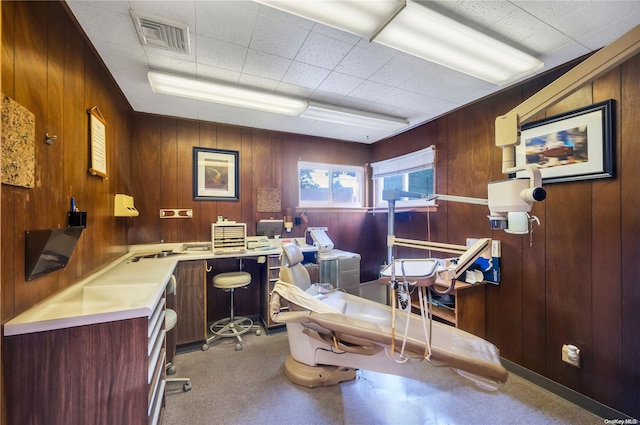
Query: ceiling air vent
(161, 33)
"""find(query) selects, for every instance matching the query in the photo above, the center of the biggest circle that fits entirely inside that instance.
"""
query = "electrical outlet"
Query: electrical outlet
(571, 355)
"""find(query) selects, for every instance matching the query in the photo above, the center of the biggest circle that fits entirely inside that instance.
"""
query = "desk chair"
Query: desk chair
(232, 326)
(171, 319)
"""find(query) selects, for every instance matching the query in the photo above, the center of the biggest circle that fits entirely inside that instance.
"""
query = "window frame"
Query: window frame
(360, 176)
(403, 165)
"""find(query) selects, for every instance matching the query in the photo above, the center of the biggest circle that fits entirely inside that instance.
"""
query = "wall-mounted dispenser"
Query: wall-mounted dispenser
(123, 206)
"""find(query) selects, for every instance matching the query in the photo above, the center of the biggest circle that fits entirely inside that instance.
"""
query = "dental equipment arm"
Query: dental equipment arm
(467, 256)
(508, 125)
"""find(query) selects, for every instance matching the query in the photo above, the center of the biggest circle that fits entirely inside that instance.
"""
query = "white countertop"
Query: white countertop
(129, 287)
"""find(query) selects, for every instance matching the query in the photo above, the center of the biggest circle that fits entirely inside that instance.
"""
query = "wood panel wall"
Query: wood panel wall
(48, 67)
(577, 284)
(162, 177)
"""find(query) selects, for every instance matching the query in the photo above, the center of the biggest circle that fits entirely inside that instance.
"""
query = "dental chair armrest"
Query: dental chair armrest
(291, 317)
(279, 316)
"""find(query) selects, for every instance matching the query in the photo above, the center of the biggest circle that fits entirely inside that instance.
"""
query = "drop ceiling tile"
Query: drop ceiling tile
(361, 63)
(265, 65)
(399, 69)
(219, 53)
(567, 16)
(229, 21)
(160, 62)
(370, 91)
(218, 74)
(339, 84)
(305, 75)
(293, 90)
(270, 36)
(263, 84)
(323, 51)
(336, 34)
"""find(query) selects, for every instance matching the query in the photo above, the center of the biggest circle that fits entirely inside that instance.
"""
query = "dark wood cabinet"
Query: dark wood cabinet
(102, 374)
(191, 301)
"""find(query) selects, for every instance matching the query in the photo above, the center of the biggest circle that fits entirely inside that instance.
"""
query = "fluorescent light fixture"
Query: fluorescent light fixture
(429, 35)
(208, 91)
(344, 116)
(217, 93)
(412, 28)
(363, 18)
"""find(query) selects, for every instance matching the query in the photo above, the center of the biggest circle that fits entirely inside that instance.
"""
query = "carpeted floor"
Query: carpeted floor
(248, 387)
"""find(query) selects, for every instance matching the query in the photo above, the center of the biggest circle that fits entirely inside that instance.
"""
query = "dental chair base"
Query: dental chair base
(316, 376)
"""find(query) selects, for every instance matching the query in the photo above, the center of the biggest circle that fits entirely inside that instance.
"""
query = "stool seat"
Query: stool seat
(231, 326)
(231, 280)
(170, 319)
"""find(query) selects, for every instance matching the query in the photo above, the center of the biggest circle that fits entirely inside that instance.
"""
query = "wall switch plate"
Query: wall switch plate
(571, 355)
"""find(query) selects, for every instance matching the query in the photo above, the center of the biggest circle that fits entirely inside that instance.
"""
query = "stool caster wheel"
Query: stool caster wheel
(238, 347)
(186, 387)
(258, 332)
(205, 347)
(171, 370)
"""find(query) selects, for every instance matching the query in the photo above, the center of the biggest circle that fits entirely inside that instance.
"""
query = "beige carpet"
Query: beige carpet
(248, 388)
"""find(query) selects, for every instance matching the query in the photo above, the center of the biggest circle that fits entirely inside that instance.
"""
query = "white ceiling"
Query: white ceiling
(250, 45)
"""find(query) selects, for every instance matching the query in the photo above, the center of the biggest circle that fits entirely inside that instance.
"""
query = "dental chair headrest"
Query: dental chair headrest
(291, 255)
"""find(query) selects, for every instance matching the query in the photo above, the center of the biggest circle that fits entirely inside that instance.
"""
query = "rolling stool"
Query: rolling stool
(170, 321)
(231, 326)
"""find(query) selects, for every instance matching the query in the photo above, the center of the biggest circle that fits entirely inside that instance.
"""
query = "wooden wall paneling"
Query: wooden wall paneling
(568, 289)
(290, 156)
(75, 155)
(31, 93)
(207, 211)
(266, 162)
(629, 175)
(187, 136)
(460, 180)
(504, 302)
(168, 185)
(7, 193)
(230, 138)
(145, 177)
(606, 250)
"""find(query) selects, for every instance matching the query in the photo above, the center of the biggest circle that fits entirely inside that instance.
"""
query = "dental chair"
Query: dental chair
(332, 334)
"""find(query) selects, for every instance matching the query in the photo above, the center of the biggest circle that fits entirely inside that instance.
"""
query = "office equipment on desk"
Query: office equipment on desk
(269, 228)
(228, 237)
(340, 268)
(257, 242)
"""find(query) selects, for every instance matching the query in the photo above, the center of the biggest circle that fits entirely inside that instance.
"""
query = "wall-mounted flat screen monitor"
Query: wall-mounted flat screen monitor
(48, 250)
(269, 228)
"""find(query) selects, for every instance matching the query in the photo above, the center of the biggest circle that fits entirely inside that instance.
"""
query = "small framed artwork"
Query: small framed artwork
(215, 174)
(577, 145)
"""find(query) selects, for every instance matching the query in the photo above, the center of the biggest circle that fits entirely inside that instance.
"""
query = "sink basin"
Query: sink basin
(160, 254)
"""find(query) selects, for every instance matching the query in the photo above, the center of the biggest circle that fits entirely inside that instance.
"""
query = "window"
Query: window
(328, 185)
(412, 172)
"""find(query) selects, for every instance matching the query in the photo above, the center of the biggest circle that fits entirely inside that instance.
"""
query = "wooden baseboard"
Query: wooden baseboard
(566, 393)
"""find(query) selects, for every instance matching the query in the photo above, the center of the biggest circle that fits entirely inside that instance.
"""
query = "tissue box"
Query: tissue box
(489, 266)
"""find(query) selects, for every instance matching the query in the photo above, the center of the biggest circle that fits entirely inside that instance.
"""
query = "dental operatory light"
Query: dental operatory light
(410, 27)
(209, 91)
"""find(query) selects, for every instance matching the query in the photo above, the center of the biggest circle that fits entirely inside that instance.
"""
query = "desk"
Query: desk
(111, 323)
